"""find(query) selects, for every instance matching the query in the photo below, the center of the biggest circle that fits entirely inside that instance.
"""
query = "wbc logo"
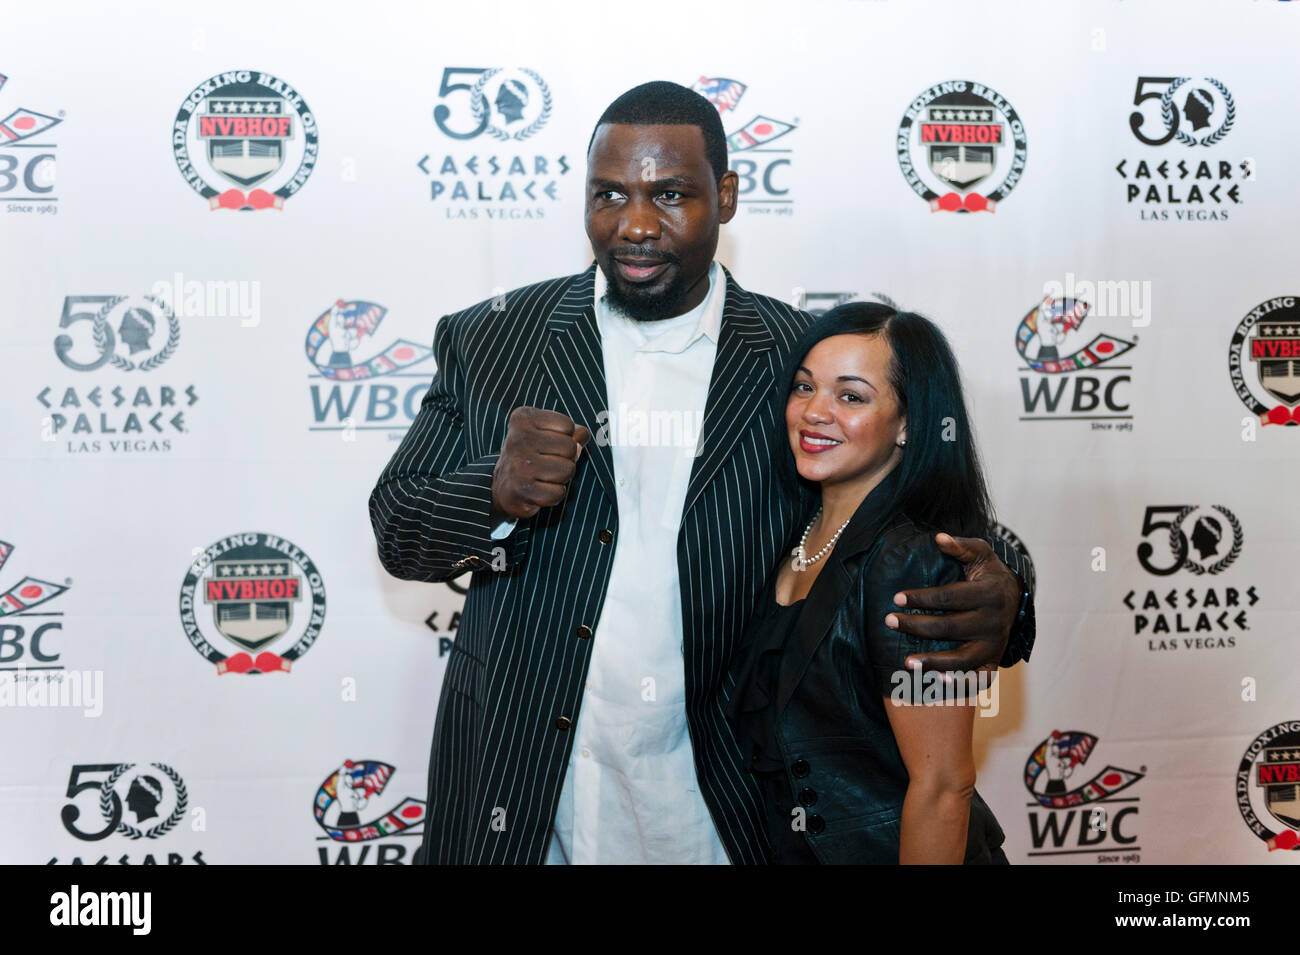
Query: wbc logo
(359, 811)
(23, 123)
(1073, 813)
(27, 160)
(28, 592)
(1071, 379)
(760, 166)
(350, 790)
(363, 386)
(337, 333)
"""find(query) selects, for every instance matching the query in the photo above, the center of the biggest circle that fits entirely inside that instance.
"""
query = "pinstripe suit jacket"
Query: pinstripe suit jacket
(515, 674)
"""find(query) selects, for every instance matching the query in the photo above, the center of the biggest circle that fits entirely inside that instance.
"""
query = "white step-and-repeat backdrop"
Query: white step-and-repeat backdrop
(228, 234)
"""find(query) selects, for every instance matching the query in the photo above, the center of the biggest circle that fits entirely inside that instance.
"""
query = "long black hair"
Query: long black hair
(940, 483)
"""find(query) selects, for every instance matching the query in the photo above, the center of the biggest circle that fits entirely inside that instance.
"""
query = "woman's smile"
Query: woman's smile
(811, 442)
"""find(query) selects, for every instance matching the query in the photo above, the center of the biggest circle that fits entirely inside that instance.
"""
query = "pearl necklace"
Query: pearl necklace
(801, 560)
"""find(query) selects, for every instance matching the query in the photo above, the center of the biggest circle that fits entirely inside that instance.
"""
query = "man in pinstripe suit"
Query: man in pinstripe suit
(580, 717)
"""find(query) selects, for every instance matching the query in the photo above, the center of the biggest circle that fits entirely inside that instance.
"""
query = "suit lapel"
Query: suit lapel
(743, 370)
(575, 364)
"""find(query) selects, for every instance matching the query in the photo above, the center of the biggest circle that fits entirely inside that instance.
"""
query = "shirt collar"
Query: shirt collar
(708, 324)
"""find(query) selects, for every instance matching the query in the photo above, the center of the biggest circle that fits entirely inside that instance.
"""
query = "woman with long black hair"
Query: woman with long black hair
(851, 763)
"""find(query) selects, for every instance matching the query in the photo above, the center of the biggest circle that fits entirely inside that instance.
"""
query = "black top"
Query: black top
(775, 623)
(812, 684)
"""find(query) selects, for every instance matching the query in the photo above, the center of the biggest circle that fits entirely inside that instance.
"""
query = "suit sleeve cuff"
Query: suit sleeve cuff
(482, 547)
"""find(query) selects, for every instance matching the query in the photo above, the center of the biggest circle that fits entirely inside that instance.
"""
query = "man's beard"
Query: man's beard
(644, 305)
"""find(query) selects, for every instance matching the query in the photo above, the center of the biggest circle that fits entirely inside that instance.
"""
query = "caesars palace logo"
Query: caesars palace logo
(1264, 361)
(1182, 174)
(113, 339)
(252, 603)
(1204, 541)
(245, 140)
(494, 110)
(135, 801)
(961, 147)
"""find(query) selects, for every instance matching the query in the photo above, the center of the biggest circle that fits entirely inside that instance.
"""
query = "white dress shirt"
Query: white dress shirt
(630, 794)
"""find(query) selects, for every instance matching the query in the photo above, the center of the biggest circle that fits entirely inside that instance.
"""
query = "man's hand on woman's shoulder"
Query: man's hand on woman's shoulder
(978, 611)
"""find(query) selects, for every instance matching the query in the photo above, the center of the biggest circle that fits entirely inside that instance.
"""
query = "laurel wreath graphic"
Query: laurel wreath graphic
(153, 361)
(1177, 538)
(479, 104)
(130, 831)
(1167, 113)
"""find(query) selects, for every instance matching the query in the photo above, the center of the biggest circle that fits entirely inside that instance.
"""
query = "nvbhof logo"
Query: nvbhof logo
(1265, 366)
(961, 147)
(1067, 802)
(245, 140)
(1268, 786)
(252, 594)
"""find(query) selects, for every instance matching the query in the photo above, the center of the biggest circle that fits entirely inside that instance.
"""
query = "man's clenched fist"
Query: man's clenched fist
(537, 462)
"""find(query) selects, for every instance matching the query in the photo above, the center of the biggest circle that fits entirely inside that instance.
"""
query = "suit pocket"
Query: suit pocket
(464, 674)
(873, 840)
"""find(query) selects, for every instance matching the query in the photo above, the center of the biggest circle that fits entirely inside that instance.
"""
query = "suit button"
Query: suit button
(584, 632)
(563, 722)
(816, 823)
(605, 536)
(808, 797)
(800, 768)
